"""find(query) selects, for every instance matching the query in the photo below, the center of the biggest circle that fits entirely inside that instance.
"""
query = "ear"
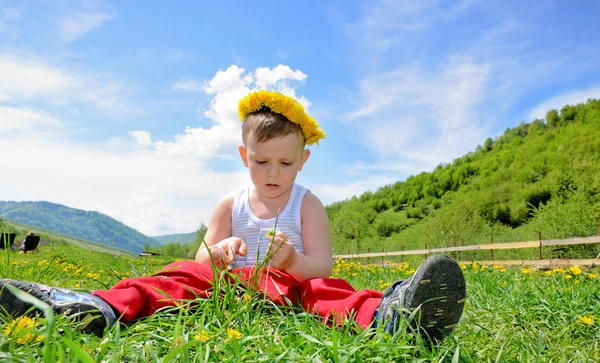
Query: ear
(305, 156)
(243, 154)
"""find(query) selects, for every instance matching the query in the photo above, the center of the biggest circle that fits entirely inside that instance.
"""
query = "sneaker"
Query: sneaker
(92, 313)
(437, 288)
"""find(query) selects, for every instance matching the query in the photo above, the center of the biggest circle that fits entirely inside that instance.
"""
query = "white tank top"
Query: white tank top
(252, 230)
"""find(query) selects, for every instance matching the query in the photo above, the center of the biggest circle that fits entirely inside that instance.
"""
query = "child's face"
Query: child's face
(274, 163)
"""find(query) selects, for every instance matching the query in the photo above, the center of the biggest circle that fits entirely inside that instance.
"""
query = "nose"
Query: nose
(273, 171)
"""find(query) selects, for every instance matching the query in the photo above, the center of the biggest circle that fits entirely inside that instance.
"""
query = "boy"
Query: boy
(298, 256)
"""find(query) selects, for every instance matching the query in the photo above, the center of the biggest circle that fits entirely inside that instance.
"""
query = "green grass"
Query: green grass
(510, 316)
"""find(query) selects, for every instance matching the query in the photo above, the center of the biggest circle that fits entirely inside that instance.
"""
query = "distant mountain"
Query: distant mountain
(181, 238)
(89, 225)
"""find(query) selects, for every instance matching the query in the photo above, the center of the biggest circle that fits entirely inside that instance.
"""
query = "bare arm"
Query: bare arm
(317, 259)
(218, 238)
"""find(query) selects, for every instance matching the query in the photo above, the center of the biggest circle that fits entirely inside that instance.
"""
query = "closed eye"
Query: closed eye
(261, 162)
(287, 164)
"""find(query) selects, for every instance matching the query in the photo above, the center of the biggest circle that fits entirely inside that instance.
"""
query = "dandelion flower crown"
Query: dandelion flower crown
(286, 106)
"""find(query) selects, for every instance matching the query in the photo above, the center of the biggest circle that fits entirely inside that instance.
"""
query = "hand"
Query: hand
(281, 250)
(224, 252)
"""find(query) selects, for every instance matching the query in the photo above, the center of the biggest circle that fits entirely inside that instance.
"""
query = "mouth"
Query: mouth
(272, 186)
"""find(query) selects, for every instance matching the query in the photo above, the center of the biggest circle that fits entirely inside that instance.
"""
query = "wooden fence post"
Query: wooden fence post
(540, 241)
(455, 248)
(492, 250)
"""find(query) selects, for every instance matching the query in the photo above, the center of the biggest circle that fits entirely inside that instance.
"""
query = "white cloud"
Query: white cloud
(143, 138)
(266, 77)
(361, 167)
(557, 102)
(18, 120)
(329, 193)
(21, 78)
(187, 85)
(77, 24)
(25, 78)
(143, 189)
(423, 116)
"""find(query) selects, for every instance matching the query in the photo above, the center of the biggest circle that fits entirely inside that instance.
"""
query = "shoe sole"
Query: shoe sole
(438, 288)
(92, 323)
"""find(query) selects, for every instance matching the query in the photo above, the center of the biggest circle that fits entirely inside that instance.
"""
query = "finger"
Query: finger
(242, 249)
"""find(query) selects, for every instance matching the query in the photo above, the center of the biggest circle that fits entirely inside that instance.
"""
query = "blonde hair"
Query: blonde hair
(265, 125)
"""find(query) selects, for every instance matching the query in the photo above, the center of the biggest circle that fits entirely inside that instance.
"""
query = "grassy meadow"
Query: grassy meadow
(511, 315)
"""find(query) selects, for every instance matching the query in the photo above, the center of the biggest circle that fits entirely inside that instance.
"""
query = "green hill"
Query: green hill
(52, 238)
(182, 238)
(541, 176)
(88, 225)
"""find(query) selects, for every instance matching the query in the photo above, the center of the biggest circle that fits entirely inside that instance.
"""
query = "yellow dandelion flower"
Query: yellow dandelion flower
(575, 270)
(20, 328)
(587, 320)
(247, 298)
(503, 270)
(463, 266)
(548, 273)
(203, 336)
(591, 276)
(385, 285)
(284, 105)
(568, 277)
(527, 270)
(178, 341)
(232, 335)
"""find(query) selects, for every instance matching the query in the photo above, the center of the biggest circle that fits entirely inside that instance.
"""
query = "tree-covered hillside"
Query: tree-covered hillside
(88, 225)
(542, 176)
(177, 238)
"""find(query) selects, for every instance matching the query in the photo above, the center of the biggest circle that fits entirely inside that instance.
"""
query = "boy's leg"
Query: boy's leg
(132, 298)
(139, 297)
(437, 288)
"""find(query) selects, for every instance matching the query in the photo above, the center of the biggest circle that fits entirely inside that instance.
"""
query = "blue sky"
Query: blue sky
(129, 108)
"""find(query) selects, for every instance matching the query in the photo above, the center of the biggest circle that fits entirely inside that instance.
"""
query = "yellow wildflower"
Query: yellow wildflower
(247, 298)
(503, 270)
(588, 320)
(20, 328)
(591, 276)
(232, 335)
(463, 266)
(568, 277)
(548, 273)
(203, 336)
(527, 270)
(575, 270)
